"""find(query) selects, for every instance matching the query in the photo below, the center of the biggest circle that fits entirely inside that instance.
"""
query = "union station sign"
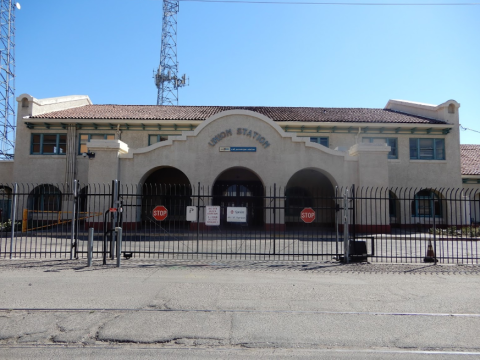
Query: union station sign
(242, 132)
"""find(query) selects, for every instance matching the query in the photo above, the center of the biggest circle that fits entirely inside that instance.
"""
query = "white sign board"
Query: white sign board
(236, 214)
(191, 213)
(212, 215)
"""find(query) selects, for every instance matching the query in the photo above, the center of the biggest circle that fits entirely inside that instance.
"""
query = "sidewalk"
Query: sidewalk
(224, 304)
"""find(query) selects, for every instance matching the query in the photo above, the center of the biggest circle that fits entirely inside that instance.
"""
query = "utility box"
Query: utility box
(358, 251)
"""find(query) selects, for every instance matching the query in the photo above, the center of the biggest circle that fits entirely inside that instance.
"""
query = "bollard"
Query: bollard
(119, 245)
(90, 247)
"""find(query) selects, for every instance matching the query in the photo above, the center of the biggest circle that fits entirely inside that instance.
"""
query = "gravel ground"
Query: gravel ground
(246, 265)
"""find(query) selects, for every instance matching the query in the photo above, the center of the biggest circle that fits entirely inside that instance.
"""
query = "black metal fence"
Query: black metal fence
(241, 221)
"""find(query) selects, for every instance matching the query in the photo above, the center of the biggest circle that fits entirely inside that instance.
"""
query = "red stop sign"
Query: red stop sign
(160, 212)
(307, 215)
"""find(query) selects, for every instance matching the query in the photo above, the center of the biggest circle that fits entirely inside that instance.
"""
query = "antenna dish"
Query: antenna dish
(18, 6)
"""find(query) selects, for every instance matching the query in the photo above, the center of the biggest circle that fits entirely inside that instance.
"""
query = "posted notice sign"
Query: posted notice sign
(212, 215)
(191, 213)
(237, 214)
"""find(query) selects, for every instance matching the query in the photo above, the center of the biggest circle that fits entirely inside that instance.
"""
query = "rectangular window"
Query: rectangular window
(153, 139)
(426, 204)
(392, 142)
(320, 140)
(84, 138)
(427, 149)
(48, 144)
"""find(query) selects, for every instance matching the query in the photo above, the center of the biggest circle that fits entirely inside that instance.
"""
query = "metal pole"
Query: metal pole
(72, 237)
(337, 255)
(119, 245)
(90, 247)
(198, 214)
(354, 213)
(346, 244)
(14, 210)
(274, 216)
(115, 217)
(434, 237)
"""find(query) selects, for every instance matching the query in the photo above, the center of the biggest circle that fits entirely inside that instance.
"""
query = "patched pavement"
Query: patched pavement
(216, 304)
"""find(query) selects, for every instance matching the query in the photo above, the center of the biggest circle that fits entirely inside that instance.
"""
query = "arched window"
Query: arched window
(237, 190)
(451, 109)
(5, 203)
(24, 102)
(45, 198)
(426, 204)
(393, 204)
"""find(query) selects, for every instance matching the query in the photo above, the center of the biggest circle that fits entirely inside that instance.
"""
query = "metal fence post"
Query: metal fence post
(115, 204)
(346, 245)
(337, 255)
(198, 216)
(119, 245)
(274, 216)
(14, 210)
(434, 238)
(90, 246)
(73, 244)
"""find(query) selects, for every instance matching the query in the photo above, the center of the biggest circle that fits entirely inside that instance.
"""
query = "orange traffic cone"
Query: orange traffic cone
(430, 257)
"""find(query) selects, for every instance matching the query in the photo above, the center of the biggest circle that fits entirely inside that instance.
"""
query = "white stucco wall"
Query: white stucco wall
(201, 162)
(287, 154)
(6, 171)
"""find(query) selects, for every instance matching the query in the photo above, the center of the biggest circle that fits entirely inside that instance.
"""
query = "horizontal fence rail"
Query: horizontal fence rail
(240, 221)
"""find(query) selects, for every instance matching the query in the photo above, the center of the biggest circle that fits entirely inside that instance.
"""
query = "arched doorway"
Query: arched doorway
(170, 187)
(45, 198)
(240, 187)
(44, 206)
(5, 203)
(310, 188)
(394, 209)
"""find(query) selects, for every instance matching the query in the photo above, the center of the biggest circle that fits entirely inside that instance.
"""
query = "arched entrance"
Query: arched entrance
(310, 188)
(239, 187)
(45, 198)
(169, 187)
(5, 203)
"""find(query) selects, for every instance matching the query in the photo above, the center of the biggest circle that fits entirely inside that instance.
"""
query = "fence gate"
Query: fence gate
(241, 221)
(234, 221)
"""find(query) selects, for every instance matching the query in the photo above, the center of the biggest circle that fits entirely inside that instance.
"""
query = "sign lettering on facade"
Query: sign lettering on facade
(212, 215)
(237, 149)
(237, 214)
(240, 131)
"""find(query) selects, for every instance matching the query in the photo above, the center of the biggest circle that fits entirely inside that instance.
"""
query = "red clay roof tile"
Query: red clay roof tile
(186, 113)
(470, 159)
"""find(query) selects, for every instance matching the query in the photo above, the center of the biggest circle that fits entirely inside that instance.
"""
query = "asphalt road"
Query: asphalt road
(238, 310)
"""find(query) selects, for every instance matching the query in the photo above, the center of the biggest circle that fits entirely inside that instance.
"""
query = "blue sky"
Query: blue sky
(255, 54)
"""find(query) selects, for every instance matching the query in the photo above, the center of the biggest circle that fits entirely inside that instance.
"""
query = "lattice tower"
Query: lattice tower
(7, 78)
(166, 77)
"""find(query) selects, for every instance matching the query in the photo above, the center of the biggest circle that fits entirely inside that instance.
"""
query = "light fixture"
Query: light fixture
(90, 155)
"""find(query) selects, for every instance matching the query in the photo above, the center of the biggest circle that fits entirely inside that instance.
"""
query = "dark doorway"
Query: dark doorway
(240, 187)
(167, 187)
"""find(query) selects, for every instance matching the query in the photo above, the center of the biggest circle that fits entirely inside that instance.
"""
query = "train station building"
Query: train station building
(403, 145)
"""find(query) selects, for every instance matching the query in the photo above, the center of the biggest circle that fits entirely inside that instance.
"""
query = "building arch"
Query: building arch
(311, 188)
(167, 186)
(5, 203)
(475, 209)
(428, 204)
(46, 198)
(394, 209)
(240, 187)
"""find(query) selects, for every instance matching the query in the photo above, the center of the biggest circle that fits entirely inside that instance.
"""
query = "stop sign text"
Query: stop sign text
(307, 215)
(160, 213)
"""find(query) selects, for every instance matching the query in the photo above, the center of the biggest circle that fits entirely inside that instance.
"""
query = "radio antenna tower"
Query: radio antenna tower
(7, 78)
(166, 77)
